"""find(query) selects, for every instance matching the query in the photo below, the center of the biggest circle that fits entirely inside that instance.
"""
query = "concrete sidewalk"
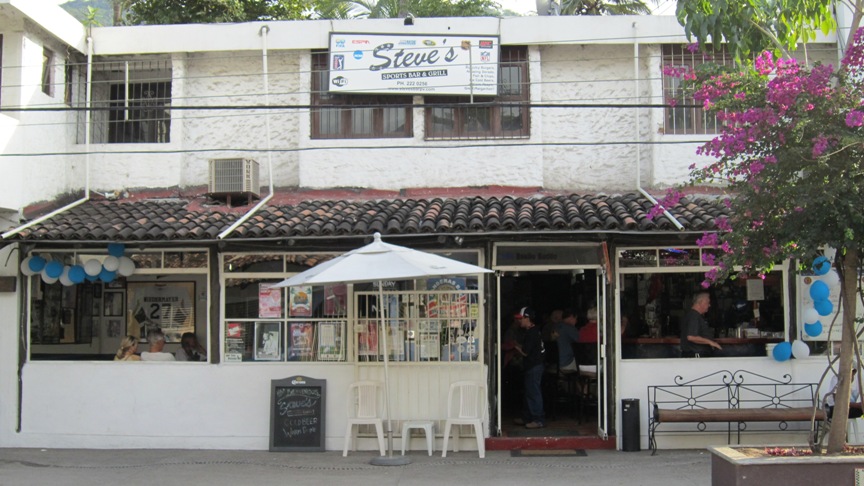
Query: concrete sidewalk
(213, 468)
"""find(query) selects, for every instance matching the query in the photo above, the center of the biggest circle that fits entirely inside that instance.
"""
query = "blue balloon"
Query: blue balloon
(824, 307)
(107, 276)
(37, 263)
(782, 351)
(819, 290)
(821, 265)
(814, 329)
(54, 269)
(77, 274)
(91, 278)
(116, 249)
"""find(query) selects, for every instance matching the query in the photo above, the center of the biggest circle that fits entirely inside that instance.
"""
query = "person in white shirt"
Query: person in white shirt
(157, 343)
(854, 397)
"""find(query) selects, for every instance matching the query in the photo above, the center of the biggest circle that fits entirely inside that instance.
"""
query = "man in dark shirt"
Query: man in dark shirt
(696, 334)
(534, 360)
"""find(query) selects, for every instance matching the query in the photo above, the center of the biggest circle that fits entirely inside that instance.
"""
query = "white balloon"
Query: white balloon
(92, 267)
(47, 279)
(800, 349)
(127, 266)
(25, 267)
(64, 277)
(831, 279)
(810, 315)
(111, 263)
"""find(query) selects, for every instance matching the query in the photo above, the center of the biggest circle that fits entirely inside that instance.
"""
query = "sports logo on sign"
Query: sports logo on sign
(339, 81)
(358, 55)
(340, 42)
(360, 41)
(428, 43)
(338, 62)
(486, 44)
(485, 56)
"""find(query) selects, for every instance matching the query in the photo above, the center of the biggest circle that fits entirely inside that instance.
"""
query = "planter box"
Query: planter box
(731, 467)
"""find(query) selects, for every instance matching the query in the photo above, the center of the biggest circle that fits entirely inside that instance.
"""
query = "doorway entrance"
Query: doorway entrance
(574, 403)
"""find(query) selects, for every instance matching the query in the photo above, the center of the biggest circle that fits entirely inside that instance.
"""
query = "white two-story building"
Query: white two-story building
(165, 176)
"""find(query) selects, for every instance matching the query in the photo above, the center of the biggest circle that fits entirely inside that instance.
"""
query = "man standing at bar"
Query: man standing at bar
(533, 351)
(696, 334)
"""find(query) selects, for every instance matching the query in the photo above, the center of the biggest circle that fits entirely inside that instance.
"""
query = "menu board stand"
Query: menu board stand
(297, 413)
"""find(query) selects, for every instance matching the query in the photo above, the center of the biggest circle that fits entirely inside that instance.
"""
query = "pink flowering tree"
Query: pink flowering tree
(791, 158)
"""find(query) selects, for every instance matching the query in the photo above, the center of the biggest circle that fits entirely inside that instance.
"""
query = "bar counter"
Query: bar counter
(668, 347)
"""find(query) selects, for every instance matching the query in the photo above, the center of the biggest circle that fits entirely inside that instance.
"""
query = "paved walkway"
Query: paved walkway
(214, 468)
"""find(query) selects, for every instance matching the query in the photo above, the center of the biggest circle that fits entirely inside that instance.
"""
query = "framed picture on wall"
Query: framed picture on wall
(268, 341)
(112, 304)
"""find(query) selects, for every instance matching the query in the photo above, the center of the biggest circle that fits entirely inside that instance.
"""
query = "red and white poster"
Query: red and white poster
(269, 301)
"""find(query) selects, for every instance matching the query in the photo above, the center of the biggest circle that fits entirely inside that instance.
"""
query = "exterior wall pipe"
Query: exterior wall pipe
(638, 139)
(86, 197)
(265, 75)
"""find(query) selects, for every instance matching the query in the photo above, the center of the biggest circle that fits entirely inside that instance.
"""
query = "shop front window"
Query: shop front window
(746, 315)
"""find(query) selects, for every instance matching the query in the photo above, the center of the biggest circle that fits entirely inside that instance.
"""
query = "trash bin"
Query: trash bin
(630, 425)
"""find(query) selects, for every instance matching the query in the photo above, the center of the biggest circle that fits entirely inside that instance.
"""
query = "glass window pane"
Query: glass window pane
(511, 81)
(329, 121)
(511, 118)
(253, 263)
(394, 120)
(147, 260)
(443, 121)
(676, 257)
(186, 259)
(361, 121)
(251, 299)
(477, 120)
(638, 258)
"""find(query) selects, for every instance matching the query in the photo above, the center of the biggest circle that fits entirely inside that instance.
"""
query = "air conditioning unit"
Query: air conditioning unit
(234, 177)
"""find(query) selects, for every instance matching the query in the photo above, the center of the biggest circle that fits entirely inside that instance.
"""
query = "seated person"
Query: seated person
(588, 332)
(190, 349)
(128, 349)
(567, 335)
(157, 343)
(854, 397)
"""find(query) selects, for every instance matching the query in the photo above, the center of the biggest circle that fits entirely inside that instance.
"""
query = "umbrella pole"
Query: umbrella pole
(388, 460)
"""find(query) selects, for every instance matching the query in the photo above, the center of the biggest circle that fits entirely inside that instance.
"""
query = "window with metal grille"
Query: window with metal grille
(353, 115)
(502, 116)
(131, 102)
(684, 118)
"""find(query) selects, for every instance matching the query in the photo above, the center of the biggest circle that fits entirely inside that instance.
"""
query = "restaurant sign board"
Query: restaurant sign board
(413, 64)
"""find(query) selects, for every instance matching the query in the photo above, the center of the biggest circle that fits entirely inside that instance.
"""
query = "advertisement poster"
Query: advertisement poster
(330, 341)
(448, 303)
(269, 301)
(302, 337)
(235, 347)
(169, 306)
(300, 301)
(335, 300)
(367, 337)
(268, 341)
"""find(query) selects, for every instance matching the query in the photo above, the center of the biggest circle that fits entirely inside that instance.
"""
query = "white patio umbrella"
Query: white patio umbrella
(377, 262)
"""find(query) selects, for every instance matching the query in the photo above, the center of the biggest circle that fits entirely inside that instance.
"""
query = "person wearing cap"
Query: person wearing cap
(533, 351)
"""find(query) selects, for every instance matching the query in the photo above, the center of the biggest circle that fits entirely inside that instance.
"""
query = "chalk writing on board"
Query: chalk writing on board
(297, 414)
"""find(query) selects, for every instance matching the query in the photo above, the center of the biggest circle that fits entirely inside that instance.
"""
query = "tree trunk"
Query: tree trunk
(848, 266)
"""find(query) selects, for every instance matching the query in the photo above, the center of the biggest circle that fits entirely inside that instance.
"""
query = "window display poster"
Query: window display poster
(329, 341)
(444, 304)
(367, 337)
(234, 343)
(300, 301)
(335, 300)
(269, 301)
(169, 306)
(302, 337)
(268, 336)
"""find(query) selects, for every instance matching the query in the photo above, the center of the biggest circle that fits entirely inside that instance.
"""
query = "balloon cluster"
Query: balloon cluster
(823, 281)
(51, 271)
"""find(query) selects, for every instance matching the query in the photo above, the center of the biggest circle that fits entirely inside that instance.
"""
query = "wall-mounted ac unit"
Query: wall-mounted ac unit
(234, 177)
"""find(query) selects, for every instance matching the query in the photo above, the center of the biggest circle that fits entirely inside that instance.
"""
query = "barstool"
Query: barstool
(427, 425)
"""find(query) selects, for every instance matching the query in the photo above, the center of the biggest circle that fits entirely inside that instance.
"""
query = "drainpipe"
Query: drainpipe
(86, 197)
(263, 33)
(638, 140)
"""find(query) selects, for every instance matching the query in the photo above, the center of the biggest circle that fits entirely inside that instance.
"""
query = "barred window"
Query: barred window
(352, 115)
(502, 116)
(684, 119)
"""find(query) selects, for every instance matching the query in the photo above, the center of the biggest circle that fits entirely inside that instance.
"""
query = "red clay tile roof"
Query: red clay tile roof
(183, 219)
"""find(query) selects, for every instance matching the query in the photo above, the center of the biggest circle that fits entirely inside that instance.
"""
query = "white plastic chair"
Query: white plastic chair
(364, 407)
(466, 405)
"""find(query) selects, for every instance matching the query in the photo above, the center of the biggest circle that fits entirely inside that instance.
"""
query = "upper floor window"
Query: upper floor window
(352, 115)
(48, 71)
(502, 116)
(684, 118)
(131, 102)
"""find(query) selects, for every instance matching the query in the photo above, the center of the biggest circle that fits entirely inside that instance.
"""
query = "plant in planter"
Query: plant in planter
(789, 153)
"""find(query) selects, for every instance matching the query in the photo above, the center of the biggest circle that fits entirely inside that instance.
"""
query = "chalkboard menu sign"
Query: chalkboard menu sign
(297, 407)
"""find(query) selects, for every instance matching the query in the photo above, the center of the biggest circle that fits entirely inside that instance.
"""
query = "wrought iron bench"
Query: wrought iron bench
(734, 398)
